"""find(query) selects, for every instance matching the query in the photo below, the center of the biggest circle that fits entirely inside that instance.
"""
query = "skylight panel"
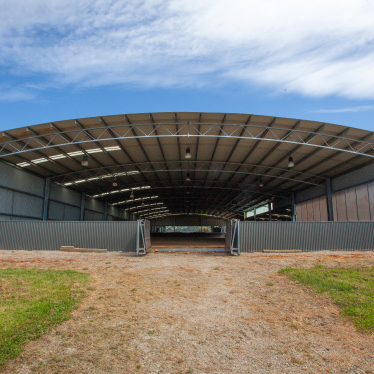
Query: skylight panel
(76, 153)
(23, 164)
(57, 157)
(94, 150)
(39, 160)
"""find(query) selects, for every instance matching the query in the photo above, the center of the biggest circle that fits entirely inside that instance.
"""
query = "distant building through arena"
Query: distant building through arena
(189, 174)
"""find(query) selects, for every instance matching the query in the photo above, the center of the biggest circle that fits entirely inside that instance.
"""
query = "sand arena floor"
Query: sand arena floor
(196, 313)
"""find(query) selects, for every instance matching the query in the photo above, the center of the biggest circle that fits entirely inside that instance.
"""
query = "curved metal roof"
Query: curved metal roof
(237, 160)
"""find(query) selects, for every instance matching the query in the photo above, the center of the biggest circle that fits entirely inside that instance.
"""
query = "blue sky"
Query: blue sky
(65, 59)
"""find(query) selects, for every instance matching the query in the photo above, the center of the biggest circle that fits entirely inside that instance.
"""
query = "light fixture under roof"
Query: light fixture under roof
(188, 178)
(261, 184)
(132, 195)
(85, 161)
(188, 153)
(115, 184)
(290, 164)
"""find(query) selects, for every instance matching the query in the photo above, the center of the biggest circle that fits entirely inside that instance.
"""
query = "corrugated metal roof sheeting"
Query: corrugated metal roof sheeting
(308, 236)
(49, 235)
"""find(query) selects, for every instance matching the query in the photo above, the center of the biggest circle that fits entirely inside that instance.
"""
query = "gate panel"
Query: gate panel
(143, 239)
(232, 242)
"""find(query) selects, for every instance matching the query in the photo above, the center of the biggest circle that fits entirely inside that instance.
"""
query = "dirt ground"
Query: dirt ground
(196, 313)
(189, 242)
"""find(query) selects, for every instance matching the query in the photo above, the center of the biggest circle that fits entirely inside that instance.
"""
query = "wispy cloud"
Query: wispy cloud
(10, 94)
(361, 108)
(314, 48)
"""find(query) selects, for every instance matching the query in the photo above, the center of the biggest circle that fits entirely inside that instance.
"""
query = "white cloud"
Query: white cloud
(360, 108)
(315, 48)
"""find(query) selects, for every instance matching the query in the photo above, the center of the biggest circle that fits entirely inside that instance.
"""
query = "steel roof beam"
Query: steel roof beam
(325, 159)
(297, 134)
(234, 168)
(285, 157)
(197, 144)
(178, 142)
(159, 143)
(60, 150)
(10, 137)
(139, 143)
(119, 144)
(234, 148)
(68, 139)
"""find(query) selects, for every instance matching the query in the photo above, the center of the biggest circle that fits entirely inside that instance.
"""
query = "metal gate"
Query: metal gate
(232, 243)
(143, 238)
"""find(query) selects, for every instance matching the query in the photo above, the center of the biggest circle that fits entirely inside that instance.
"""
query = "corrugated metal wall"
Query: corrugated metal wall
(22, 197)
(308, 236)
(50, 235)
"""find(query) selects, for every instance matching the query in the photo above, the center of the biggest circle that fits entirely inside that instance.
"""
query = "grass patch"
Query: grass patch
(33, 300)
(352, 289)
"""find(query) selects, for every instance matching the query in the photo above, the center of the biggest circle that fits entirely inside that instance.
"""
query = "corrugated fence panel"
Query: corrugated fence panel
(308, 236)
(50, 235)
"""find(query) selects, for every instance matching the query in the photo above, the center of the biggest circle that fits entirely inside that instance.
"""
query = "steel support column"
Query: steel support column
(46, 198)
(83, 200)
(106, 212)
(269, 207)
(330, 211)
(293, 207)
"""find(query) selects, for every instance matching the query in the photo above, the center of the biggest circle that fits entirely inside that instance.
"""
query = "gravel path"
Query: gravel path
(196, 313)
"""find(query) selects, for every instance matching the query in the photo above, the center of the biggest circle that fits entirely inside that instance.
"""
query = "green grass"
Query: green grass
(31, 301)
(352, 289)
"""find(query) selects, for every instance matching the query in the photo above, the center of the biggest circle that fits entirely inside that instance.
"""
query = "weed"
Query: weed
(101, 297)
(295, 360)
(180, 360)
(91, 308)
(216, 268)
(189, 371)
(133, 290)
(85, 269)
(270, 284)
(138, 366)
(107, 263)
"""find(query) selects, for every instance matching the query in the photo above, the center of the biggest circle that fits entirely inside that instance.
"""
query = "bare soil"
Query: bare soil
(196, 313)
(187, 242)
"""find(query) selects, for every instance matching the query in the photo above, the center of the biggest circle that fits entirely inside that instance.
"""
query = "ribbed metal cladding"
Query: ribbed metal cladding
(49, 235)
(307, 236)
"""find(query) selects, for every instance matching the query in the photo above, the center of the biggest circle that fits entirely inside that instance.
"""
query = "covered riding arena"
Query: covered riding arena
(187, 182)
